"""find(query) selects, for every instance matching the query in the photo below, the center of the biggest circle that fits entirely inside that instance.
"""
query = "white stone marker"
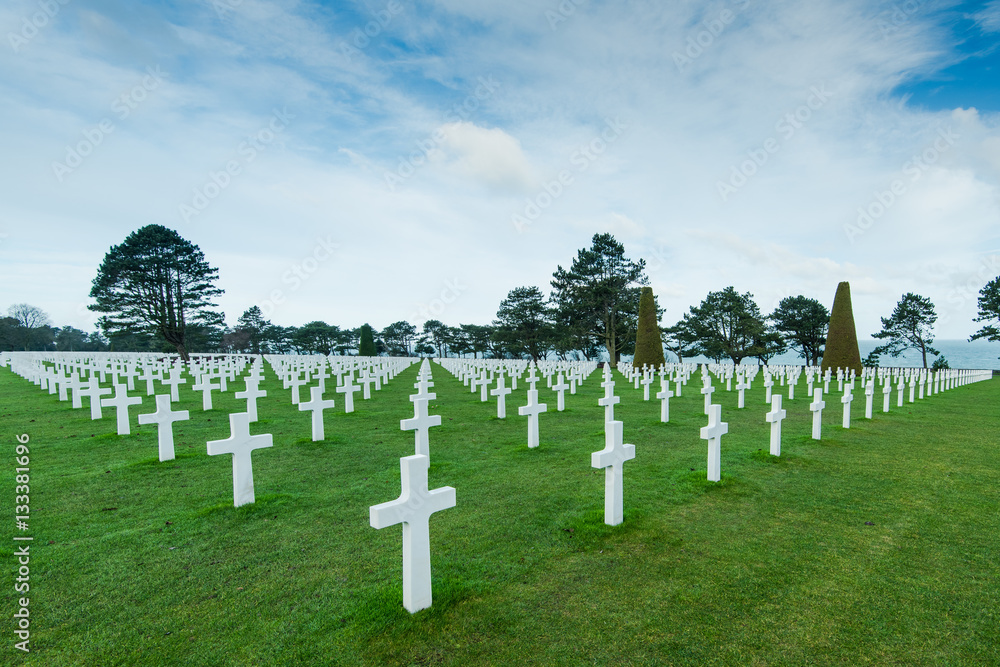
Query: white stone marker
(348, 389)
(532, 409)
(413, 509)
(741, 387)
(665, 395)
(707, 391)
(713, 433)
(775, 416)
(251, 394)
(501, 392)
(646, 381)
(164, 418)
(768, 383)
(886, 393)
(420, 422)
(612, 458)
(93, 391)
(560, 388)
(899, 392)
(240, 444)
(316, 404)
(846, 400)
(174, 381)
(205, 386)
(120, 403)
(817, 409)
(869, 397)
(609, 400)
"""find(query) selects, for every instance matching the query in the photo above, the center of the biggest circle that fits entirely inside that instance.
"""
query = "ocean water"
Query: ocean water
(979, 354)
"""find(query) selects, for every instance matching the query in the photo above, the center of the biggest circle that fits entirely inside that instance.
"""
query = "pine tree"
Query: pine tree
(648, 341)
(366, 348)
(842, 336)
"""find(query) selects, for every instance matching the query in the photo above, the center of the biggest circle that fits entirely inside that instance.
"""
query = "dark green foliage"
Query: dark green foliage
(156, 282)
(989, 311)
(726, 324)
(597, 298)
(366, 348)
(524, 324)
(803, 322)
(648, 342)
(940, 364)
(398, 337)
(842, 336)
(909, 327)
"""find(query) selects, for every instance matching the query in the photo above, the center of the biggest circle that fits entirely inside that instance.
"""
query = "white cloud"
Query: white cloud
(490, 157)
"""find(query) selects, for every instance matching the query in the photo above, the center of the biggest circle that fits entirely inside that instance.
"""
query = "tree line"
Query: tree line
(155, 293)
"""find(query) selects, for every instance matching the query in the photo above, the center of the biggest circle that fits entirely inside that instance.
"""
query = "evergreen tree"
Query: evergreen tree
(909, 327)
(366, 348)
(648, 341)
(156, 282)
(842, 336)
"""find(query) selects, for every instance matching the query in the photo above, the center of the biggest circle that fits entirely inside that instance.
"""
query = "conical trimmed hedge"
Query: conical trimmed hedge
(648, 342)
(366, 347)
(842, 337)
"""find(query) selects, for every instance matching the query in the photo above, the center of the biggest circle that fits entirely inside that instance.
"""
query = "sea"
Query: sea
(978, 355)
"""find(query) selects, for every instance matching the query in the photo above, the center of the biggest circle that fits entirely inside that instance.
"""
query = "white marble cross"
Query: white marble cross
(93, 391)
(148, 376)
(205, 386)
(240, 444)
(816, 407)
(612, 458)
(413, 509)
(741, 386)
(251, 394)
(609, 400)
(316, 405)
(174, 381)
(560, 388)
(869, 397)
(886, 394)
(164, 418)
(420, 422)
(846, 400)
(707, 391)
(665, 395)
(775, 416)
(646, 381)
(532, 410)
(295, 383)
(348, 389)
(120, 403)
(899, 394)
(713, 433)
(501, 392)
(768, 383)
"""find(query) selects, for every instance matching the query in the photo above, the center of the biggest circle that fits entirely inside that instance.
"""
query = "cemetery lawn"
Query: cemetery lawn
(876, 545)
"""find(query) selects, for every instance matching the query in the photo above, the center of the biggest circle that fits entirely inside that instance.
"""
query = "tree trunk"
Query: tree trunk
(181, 350)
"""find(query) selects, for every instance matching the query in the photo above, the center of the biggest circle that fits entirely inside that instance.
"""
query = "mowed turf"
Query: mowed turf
(875, 546)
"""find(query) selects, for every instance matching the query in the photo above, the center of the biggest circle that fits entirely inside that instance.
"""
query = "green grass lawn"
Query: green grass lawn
(877, 545)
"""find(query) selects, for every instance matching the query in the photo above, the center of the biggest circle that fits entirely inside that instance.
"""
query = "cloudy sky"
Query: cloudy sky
(376, 161)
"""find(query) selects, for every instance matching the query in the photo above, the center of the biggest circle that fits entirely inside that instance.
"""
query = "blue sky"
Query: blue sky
(386, 160)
